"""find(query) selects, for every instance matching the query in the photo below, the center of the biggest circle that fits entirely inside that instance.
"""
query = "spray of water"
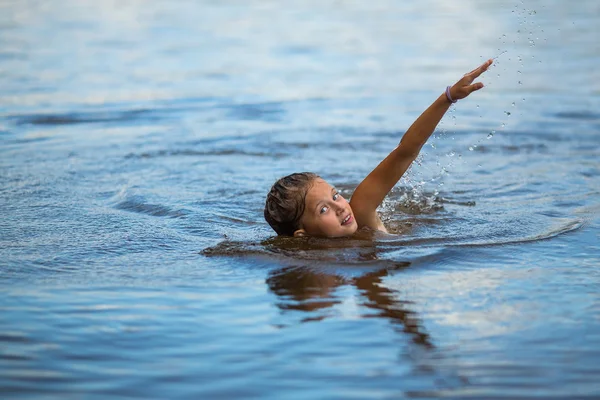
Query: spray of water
(509, 65)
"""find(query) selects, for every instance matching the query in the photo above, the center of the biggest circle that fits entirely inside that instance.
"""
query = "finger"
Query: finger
(471, 88)
(481, 69)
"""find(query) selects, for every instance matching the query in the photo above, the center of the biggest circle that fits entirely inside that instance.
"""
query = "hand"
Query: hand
(465, 86)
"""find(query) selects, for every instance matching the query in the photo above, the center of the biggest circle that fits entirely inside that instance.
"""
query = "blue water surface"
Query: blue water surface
(138, 141)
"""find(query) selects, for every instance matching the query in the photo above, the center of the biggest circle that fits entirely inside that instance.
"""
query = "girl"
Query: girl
(303, 204)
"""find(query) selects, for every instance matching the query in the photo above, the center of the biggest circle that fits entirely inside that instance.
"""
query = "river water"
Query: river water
(138, 141)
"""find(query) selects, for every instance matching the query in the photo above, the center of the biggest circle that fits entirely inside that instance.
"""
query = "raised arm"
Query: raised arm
(373, 189)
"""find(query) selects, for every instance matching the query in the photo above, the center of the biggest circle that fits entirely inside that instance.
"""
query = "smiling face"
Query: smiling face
(326, 212)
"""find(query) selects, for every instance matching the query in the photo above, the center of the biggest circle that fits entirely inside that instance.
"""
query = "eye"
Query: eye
(336, 196)
(323, 209)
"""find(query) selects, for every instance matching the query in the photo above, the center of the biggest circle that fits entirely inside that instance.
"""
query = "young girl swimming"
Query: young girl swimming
(303, 204)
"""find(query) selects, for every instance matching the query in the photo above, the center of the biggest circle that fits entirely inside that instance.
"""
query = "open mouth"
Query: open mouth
(347, 220)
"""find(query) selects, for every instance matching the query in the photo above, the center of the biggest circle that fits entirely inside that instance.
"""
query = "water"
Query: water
(138, 142)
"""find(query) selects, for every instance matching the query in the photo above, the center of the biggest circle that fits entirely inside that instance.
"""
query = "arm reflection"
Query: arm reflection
(383, 299)
(303, 289)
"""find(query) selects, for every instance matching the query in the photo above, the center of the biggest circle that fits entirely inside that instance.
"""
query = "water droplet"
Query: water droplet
(512, 104)
(503, 125)
(477, 105)
(490, 135)
(471, 148)
(508, 112)
(518, 72)
(520, 83)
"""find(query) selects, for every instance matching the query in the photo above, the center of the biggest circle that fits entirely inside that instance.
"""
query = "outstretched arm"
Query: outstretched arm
(373, 189)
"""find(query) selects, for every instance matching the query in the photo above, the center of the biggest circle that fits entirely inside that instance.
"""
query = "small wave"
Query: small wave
(296, 50)
(197, 153)
(367, 248)
(360, 250)
(84, 117)
(569, 226)
(12, 55)
(580, 115)
(153, 112)
(271, 112)
(137, 204)
(14, 337)
(437, 242)
(465, 203)
(335, 146)
(525, 148)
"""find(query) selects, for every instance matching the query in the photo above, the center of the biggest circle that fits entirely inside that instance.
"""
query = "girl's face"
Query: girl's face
(326, 213)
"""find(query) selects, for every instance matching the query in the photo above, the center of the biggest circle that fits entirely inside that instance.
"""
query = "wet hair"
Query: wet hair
(286, 202)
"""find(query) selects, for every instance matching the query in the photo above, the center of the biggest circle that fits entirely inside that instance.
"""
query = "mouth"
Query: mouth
(347, 220)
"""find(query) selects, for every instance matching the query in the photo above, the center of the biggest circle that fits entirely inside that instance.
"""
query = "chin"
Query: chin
(351, 230)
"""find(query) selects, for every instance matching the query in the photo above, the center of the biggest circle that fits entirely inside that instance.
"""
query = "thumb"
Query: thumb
(474, 87)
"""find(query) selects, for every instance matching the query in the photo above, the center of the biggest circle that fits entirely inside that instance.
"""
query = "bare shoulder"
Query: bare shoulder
(368, 218)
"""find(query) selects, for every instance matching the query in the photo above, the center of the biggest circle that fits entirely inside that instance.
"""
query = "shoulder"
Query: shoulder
(370, 220)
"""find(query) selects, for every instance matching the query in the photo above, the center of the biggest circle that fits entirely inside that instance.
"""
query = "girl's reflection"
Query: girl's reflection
(303, 289)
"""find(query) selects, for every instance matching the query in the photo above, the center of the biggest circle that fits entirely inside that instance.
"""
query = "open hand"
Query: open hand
(465, 86)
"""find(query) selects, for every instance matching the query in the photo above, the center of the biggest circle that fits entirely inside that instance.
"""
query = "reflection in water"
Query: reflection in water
(385, 300)
(334, 263)
(306, 290)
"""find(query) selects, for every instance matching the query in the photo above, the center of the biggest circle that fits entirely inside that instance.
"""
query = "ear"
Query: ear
(300, 233)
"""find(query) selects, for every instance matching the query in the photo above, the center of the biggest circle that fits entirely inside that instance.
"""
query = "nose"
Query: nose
(339, 209)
